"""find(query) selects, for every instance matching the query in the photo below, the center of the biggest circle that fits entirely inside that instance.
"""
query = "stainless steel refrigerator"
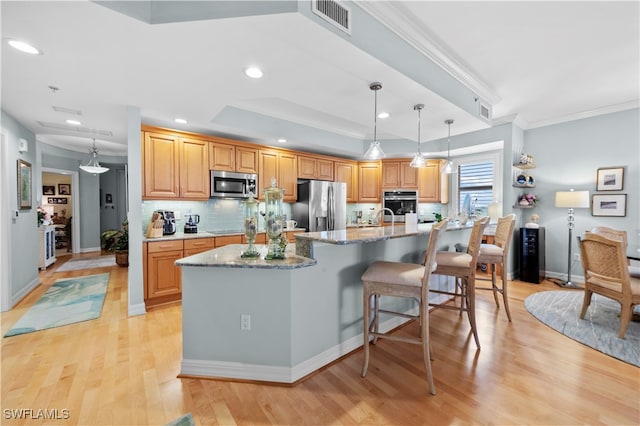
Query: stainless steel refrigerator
(321, 206)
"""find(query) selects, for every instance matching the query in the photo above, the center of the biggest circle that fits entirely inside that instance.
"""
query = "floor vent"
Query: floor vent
(333, 12)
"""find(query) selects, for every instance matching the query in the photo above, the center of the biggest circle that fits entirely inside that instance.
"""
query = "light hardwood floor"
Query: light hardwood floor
(120, 370)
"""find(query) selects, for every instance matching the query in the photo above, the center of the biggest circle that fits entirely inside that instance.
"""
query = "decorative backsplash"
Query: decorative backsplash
(216, 214)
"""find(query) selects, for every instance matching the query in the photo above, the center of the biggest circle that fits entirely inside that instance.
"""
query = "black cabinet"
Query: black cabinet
(531, 254)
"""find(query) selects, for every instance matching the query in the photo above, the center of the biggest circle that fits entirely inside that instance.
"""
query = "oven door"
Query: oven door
(400, 203)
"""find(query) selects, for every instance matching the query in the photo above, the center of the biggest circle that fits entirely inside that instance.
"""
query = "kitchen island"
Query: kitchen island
(279, 321)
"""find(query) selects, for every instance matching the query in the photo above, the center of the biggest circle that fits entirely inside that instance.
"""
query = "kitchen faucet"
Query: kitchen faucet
(393, 217)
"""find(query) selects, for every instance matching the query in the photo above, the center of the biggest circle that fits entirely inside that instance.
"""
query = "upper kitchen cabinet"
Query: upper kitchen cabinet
(347, 171)
(369, 189)
(433, 186)
(398, 174)
(229, 157)
(175, 167)
(281, 165)
(315, 167)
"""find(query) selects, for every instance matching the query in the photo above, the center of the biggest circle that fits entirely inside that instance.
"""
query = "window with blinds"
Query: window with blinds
(475, 187)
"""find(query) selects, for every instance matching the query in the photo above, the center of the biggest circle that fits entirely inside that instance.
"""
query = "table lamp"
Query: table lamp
(571, 200)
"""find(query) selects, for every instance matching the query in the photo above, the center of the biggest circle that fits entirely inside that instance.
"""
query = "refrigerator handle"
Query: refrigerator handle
(330, 210)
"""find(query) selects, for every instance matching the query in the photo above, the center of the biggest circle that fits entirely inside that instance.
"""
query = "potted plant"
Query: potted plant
(117, 241)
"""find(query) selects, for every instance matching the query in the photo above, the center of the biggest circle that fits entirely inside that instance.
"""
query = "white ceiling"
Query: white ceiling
(537, 63)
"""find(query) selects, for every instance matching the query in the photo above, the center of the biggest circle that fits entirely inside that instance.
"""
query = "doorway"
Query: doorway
(60, 197)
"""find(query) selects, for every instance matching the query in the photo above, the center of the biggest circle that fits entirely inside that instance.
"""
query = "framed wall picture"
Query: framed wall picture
(610, 179)
(609, 205)
(64, 189)
(57, 200)
(24, 184)
(48, 190)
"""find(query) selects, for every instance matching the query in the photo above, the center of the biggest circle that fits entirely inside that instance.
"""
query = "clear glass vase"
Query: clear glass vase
(273, 199)
(251, 227)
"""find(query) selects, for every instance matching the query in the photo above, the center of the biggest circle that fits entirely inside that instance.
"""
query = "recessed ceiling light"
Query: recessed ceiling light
(383, 115)
(253, 72)
(282, 140)
(23, 46)
(181, 120)
(73, 122)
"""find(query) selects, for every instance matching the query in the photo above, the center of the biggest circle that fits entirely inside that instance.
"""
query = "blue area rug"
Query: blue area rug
(68, 301)
(560, 310)
(186, 420)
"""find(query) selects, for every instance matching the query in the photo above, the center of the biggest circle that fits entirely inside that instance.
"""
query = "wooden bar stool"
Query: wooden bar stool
(399, 279)
(498, 254)
(462, 266)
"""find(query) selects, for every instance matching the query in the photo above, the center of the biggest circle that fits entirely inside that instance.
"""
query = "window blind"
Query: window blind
(476, 181)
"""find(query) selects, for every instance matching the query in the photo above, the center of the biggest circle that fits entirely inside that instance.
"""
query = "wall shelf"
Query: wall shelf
(524, 166)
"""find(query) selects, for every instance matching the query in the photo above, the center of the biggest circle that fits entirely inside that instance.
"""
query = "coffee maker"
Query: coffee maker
(191, 223)
(169, 226)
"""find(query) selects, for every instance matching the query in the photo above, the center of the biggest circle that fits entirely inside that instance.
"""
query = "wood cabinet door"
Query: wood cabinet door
(288, 175)
(161, 165)
(391, 175)
(369, 190)
(348, 172)
(307, 167)
(194, 169)
(408, 176)
(267, 170)
(228, 239)
(325, 169)
(246, 160)
(432, 187)
(163, 277)
(222, 157)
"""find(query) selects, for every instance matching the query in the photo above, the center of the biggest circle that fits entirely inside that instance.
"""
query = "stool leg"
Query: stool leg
(376, 307)
(505, 299)
(471, 308)
(494, 287)
(366, 314)
(426, 348)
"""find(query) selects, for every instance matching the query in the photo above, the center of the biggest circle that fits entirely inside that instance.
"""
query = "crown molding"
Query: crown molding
(586, 114)
(403, 23)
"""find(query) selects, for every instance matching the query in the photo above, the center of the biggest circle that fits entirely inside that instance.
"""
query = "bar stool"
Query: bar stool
(462, 266)
(498, 254)
(399, 279)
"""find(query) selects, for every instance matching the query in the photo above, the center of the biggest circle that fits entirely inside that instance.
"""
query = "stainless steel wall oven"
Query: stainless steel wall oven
(400, 202)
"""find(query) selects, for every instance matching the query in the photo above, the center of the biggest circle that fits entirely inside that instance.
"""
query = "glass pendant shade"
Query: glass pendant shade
(93, 166)
(375, 151)
(418, 160)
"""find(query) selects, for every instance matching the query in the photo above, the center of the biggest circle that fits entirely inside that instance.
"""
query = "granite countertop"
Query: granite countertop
(206, 234)
(229, 256)
(358, 235)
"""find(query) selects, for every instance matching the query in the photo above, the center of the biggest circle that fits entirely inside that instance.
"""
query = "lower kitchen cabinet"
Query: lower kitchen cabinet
(163, 279)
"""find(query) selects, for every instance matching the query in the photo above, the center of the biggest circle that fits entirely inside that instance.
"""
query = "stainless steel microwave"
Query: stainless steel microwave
(233, 185)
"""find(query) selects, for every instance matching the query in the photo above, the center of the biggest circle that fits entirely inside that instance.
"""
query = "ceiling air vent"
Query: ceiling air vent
(485, 112)
(333, 12)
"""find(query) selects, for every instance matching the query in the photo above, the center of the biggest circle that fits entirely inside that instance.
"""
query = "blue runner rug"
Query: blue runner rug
(560, 310)
(68, 301)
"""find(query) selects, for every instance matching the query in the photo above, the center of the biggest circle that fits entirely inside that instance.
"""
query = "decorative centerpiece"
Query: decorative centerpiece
(273, 197)
(251, 226)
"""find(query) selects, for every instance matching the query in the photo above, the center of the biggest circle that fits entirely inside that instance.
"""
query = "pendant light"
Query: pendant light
(375, 150)
(418, 160)
(449, 167)
(93, 166)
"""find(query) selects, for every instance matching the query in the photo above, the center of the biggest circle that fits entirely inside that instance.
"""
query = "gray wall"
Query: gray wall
(23, 244)
(567, 155)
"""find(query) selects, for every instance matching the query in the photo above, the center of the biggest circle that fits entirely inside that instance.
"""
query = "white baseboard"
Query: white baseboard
(238, 370)
(137, 309)
(24, 291)
(89, 249)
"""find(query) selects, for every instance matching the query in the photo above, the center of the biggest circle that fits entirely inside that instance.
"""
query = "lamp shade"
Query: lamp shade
(572, 199)
(494, 211)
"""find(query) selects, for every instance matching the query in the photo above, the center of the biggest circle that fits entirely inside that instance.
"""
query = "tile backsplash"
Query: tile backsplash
(216, 214)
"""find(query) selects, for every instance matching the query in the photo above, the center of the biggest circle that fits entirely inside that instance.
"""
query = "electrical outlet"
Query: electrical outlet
(245, 322)
(576, 256)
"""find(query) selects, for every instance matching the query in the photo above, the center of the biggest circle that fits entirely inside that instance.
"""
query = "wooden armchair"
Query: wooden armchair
(606, 272)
